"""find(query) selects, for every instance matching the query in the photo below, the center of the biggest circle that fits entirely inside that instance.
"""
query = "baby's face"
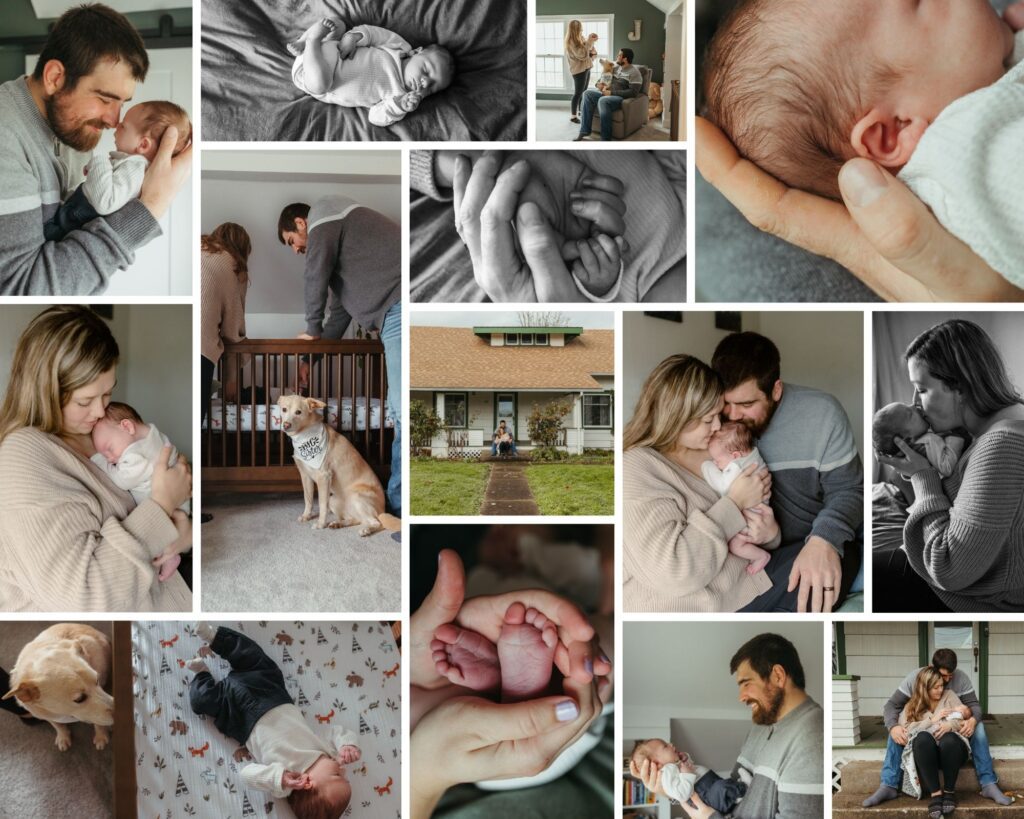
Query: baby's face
(914, 425)
(111, 439)
(128, 134)
(664, 753)
(427, 71)
(941, 49)
(720, 452)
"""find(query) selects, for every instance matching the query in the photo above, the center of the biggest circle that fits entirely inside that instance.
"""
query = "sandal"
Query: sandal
(574, 119)
(935, 808)
(948, 803)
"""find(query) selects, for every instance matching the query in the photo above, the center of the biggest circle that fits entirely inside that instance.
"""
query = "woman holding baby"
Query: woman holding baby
(964, 536)
(676, 554)
(70, 540)
(580, 53)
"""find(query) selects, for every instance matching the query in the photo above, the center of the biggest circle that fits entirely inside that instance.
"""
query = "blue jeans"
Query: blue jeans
(892, 775)
(391, 338)
(606, 106)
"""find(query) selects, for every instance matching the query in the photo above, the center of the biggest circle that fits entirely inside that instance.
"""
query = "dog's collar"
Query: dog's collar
(310, 446)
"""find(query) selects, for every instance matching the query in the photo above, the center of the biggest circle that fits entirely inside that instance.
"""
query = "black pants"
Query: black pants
(778, 569)
(254, 686)
(948, 754)
(71, 215)
(579, 85)
(721, 794)
(206, 368)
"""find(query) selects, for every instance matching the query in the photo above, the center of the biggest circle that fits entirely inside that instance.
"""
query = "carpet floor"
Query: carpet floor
(553, 126)
(256, 557)
(38, 779)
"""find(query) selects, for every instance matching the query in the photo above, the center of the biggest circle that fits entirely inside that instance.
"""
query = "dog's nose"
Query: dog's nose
(287, 425)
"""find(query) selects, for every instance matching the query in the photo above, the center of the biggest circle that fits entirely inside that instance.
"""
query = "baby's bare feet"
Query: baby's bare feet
(526, 649)
(465, 657)
(168, 565)
(318, 31)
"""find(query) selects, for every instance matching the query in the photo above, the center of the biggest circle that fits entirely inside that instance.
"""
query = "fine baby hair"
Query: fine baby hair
(736, 437)
(311, 804)
(894, 420)
(159, 115)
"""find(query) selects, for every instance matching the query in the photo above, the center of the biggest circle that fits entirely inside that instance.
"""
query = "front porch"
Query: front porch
(1004, 730)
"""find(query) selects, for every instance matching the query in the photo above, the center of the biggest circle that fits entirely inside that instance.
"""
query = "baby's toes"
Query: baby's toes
(515, 614)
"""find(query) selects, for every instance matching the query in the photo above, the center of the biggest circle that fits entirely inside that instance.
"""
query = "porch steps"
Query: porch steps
(508, 459)
(863, 777)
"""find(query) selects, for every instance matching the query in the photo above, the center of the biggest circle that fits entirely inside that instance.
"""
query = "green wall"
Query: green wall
(647, 51)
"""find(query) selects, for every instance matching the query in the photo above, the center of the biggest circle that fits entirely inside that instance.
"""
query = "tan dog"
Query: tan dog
(328, 463)
(59, 677)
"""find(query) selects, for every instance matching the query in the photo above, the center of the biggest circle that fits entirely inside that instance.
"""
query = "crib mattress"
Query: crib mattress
(346, 671)
(333, 416)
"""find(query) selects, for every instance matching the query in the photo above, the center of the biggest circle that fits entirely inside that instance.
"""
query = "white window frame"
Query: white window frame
(540, 339)
(526, 339)
(465, 398)
(509, 339)
(565, 19)
(611, 409)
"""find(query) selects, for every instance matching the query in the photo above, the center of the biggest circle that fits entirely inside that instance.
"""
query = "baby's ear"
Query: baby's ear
(416, 50)
(145, 145)
(128, 425)
(887, 139)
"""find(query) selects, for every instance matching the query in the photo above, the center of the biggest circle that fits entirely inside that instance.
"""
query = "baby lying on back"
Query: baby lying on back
(931, 90)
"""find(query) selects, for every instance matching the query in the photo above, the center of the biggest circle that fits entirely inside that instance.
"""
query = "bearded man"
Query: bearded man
(817, 477)
(49, 124)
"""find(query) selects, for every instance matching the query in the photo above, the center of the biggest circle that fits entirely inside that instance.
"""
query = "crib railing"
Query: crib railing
(253, 372)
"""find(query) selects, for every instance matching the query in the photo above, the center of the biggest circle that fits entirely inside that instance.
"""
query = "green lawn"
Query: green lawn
(573, 489)
(446, 487)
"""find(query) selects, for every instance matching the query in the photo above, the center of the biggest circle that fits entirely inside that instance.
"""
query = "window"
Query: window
(541, 339)
(526, 339)
(511, 339)
(552, 67)
(597, 410)
(456, 409)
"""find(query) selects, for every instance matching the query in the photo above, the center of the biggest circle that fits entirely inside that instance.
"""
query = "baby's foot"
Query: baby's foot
(526, 649)
(168, 565)
(465, 658)
(197, 664)
(318, 31)
(758, 565)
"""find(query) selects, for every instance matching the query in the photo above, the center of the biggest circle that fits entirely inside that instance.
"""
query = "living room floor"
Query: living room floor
(552, 123)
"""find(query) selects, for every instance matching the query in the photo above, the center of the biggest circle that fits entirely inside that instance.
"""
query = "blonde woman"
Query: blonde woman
(676, 527)
(69, 539)
(580, 53)
(935, 751)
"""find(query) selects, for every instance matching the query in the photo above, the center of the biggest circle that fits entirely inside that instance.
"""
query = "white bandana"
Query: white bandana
(310, 446)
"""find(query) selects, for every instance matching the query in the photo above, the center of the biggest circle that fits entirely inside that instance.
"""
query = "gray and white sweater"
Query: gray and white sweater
(960, 684)
(786, 760)
(817, 477)
(354, 260)
(37, 173)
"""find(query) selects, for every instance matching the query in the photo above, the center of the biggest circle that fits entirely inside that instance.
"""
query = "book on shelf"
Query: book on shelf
(634, 793)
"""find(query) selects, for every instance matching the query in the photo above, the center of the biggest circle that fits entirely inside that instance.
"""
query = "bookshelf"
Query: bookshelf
(635, 801)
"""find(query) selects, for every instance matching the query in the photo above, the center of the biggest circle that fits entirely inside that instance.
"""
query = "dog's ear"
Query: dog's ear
(26, 692)
(316, 403)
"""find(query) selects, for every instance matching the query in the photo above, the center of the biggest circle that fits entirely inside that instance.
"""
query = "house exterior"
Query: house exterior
(475, 377)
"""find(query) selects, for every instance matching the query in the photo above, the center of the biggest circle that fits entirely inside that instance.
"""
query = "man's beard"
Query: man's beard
(75, 133)
(757, 429)
(768, 713)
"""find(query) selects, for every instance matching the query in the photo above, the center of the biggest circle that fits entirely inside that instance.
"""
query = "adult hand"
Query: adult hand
(183, 524)
(296, 781)
(967, 727)
(818, 572)
(898, 734)
(165, 175)
(910, 464)
(172, 485)
(439, 607)
(941, 729)
(883, 234)
(306, 337)
(1014, 16)
(750, 487)
(699, 809)
(761, 523)
(649, 772)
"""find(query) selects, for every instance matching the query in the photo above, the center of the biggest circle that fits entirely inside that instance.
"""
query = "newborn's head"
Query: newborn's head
(892, 420)
(661, 752)
(429, 70)
(801, 87)
(117, 430)
(142, 128)
(733, 440)
(330, 794)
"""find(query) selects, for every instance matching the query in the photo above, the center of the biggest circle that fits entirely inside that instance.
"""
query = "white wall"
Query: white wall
(1006, 668)
(881, 654)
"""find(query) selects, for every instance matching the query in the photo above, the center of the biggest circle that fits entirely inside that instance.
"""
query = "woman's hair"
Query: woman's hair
(574, 35)
(680, 390)
(920, 701)
(962, 356)
(63, 349)
(231, 239)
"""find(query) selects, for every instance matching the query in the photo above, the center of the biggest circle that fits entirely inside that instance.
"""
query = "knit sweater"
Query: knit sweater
(676, 532)
(786, 761)
(579, 57)
(37, 172)
(72, 541)
(114, 180)
(222, 311)
(965, 535)
(960, 684)
(817, 477)
(354, 254)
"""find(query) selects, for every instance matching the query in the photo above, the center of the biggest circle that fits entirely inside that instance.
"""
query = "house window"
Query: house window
(540, 339)
(456, 409)
(552, 68)
(511, 339)
(526, 339)
(597, 410)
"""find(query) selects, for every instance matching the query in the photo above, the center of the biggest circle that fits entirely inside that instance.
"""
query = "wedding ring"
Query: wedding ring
(828, 588)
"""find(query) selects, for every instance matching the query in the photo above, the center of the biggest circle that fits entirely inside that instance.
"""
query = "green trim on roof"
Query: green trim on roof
(575, 331)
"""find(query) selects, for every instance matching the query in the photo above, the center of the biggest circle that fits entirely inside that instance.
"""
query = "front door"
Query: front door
(505, 410)
(964, 639)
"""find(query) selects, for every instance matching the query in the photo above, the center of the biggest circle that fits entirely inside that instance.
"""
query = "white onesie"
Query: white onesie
(679, 784)
(721, 479)
(112, 180)
(134, 469)
(969, 169)
(942, 453)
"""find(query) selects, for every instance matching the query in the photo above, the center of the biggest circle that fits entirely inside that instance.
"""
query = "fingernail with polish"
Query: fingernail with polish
(605, 658)
(862, 182)
(566, 711)
(588, 664)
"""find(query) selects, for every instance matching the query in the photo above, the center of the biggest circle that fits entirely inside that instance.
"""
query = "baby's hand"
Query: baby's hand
(599, 264)
(296, 781)
(410, 102)
(347, 754)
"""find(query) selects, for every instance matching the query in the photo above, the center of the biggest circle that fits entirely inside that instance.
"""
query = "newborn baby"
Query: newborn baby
(127, 450)
(368, 67)
(680, 776)
(113, 179)
(906, 421)
(732, 450)
(932, 90)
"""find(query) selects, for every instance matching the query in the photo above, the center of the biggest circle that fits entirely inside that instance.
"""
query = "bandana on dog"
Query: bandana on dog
(311, 446)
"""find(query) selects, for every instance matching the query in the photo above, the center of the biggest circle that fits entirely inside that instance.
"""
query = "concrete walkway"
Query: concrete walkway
(508, 492)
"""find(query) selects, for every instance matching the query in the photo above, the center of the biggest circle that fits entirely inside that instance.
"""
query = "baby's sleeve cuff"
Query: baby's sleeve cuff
(421, 175)
(611, 295)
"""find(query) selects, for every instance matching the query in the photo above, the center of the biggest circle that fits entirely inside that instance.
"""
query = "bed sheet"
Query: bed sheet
(338, 671)
(275, 416)
(247, 91)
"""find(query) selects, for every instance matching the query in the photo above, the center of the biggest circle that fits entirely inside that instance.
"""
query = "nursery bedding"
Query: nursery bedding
(275, 416)
(336, 672)
(247, 90)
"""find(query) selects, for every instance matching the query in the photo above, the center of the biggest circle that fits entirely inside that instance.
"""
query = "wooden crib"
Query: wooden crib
(243, 447)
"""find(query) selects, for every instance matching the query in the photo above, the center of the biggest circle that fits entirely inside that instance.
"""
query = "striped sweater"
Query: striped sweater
(965, 535)
(72, 541)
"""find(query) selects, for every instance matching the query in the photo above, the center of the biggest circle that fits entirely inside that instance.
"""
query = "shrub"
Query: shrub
(424, 424)
(544, 424)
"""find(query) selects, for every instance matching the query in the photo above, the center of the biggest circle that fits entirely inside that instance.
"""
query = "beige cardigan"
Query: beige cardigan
(675, 541)
(222, 305)
(72, 541)
(579, 57)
